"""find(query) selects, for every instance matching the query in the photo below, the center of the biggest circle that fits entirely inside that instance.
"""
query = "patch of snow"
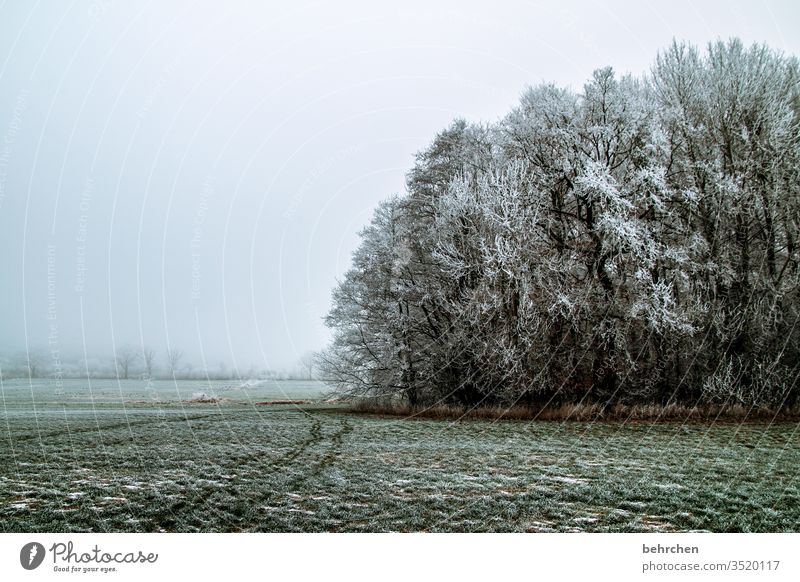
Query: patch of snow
(669, 486)
(570, 480)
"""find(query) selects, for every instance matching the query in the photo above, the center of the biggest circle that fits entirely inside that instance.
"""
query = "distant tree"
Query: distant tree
(149, 358)
(173, 358)
(31, 362)
(125, 358)
(308, 362)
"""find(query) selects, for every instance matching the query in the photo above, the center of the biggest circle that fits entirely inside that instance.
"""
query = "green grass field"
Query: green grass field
(132, 457)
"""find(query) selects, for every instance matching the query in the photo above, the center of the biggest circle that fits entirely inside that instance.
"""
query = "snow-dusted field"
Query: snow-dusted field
(130, 458)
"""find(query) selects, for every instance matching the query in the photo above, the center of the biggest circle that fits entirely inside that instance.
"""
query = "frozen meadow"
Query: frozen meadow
(135, 456)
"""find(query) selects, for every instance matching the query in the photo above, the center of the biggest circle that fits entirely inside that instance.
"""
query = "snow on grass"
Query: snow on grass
(569, 480)
(669, 486)
(585, 519)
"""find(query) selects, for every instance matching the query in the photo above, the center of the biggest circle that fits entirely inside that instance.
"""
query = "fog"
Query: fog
(194, 176)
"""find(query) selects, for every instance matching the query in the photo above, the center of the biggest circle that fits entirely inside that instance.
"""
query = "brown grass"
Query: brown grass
(581, 412)
(206, 400)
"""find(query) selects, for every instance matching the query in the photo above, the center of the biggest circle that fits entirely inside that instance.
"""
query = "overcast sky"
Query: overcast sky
(195, 175)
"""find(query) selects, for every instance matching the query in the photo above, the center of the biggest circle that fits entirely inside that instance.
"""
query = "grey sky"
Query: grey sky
(196, 174)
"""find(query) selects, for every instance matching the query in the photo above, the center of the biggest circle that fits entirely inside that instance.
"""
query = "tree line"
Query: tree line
(634, 242)
(138, 362)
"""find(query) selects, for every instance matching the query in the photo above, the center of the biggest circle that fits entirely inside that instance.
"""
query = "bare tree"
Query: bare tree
(308, 362)
(125, 358)
(149, 357)
(173, 360)
(31, 361)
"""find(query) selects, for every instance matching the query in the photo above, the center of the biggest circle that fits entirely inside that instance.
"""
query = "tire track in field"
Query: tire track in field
(336, 447)
(301, 482)
(192, 507)
(188, 506)
(328, 458)
(315, 436)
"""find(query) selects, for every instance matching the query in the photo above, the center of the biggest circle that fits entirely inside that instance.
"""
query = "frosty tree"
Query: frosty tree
(634, 242)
